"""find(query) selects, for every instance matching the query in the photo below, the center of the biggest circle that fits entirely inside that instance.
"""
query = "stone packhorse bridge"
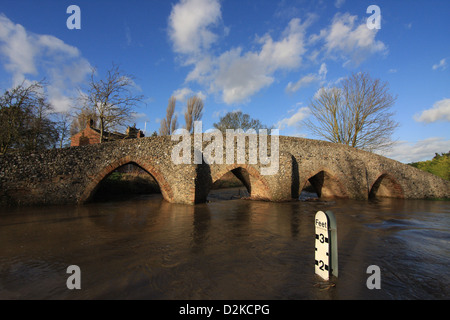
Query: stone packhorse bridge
(72, 175)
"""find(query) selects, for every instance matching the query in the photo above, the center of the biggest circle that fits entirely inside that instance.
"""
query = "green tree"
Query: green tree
(238, 120)
(25, 119)
(439, 165)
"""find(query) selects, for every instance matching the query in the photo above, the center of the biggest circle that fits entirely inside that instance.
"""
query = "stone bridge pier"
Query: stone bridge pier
(72, 175)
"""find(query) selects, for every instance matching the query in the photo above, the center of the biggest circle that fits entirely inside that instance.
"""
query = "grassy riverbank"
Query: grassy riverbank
(439, 165)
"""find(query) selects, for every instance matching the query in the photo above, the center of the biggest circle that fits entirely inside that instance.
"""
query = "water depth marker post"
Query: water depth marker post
(326, 257)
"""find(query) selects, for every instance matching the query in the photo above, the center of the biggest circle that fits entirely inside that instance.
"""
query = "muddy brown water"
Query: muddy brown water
(228, 248)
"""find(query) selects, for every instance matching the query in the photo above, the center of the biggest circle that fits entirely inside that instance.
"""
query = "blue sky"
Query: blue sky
(266, 58)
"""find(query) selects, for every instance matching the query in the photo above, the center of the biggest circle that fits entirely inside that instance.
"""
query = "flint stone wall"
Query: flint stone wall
(72, 175)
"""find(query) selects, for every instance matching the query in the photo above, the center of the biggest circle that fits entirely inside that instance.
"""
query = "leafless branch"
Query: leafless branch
(357, 113)
(111, 99)
(194, 112)
(169, 124)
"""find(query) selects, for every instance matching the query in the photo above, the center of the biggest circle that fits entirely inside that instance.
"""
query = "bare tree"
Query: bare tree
(15, 105)
(194, 112)
(356, 113)
(63, 125)
(111, 99)
(80, 120)
(169, 124)
(42, 132)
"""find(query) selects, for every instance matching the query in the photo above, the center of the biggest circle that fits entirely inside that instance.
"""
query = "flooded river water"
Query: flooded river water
(147, 248)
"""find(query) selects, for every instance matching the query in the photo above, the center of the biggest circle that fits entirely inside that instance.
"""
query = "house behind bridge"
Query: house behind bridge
(91, 135)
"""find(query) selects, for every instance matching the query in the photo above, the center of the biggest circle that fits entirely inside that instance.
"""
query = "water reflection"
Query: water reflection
(147, 248)
(201, 226)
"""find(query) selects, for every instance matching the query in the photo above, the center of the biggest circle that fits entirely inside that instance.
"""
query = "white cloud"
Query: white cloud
(184, 93)
(330, 87)
(441, 65)
(223, 112)
(323, 70)
(237, 75)
(303, 82)
(408, 152)
(56, 46)
(139, 116)
(128, 35)
(294, 120)
(18, 49)
(201, 95)
(339, 3)
(202, 68)
(219, 113)
(60, 102)
(439, 112)
(308, 79)
(26, 54)
(351, 41)
(240, 76)
(189, 22)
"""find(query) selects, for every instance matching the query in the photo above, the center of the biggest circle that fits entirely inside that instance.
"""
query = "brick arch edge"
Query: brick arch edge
(147, 165)
(265, 193)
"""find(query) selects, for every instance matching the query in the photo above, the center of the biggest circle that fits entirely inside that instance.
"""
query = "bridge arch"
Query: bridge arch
(256, 184)
(386, 186)
(146, 165)
(326, 184)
